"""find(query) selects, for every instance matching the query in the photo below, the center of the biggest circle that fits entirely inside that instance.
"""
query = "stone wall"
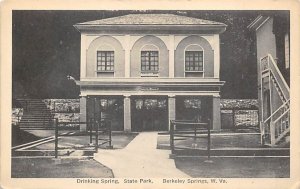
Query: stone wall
(68, 110)
(17, 113)
(239, 103)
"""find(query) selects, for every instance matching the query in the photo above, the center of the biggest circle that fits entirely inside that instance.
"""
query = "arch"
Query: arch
(193, 47)
(105, 43)
(149, 42)
(105, 38)
(149, 47)
(189, 43)
(198, 38)
(105, 47)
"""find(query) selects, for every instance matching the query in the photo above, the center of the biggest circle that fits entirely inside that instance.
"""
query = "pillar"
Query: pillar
(172, 108)
(171, 56)
(127, 114)
(127, 56)
(83, 57)
(82, 117)
(216, 113)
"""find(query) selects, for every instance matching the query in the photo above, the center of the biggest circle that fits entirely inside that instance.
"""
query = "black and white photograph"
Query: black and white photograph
(124, 97)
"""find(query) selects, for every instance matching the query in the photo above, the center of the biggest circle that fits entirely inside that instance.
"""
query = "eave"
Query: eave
(115, 82)
(165, 29)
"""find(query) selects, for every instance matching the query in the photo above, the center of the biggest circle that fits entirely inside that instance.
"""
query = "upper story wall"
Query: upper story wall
(194, 43)
(171, 54)
(265, 40)
(105, 43)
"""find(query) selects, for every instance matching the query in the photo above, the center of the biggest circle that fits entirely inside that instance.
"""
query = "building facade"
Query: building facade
(142, 70)
(272, 45)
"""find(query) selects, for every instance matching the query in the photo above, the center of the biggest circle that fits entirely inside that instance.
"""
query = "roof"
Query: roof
(152, 19)
(151, 23)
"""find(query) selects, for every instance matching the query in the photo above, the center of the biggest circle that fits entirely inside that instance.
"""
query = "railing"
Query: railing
(186, 129)
(100, 127)
(95, 128)
(275, 127)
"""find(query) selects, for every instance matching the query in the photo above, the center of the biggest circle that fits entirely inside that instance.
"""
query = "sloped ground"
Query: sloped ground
(46, 168)
(235, 167)
(217, 141)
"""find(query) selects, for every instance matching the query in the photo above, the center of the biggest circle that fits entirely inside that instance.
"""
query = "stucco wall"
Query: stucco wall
(265, 40)
(135, 58)
(105, 43)
(208, 55)
(265, 44)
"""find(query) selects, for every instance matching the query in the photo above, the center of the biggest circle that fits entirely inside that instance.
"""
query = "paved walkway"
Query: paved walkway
(140, 158)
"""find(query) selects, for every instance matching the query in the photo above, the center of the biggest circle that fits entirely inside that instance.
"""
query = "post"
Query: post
(56, 137)
(54, 107)
(109, 135)
(172, 108)
(97, 140)
(216, 122)
(83, 116)
(195, 132)
(272, 132)
(233, 119)
(91, 130)
(172, 136)
(208, 138)
(127, 113)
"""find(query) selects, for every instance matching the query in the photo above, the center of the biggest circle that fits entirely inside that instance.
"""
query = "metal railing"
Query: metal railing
(189, 129)
(95, 129)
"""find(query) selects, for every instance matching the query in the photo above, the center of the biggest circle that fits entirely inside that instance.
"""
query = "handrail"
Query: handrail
(268, 65)
(278, 71)
(284, 113)
(284, 104)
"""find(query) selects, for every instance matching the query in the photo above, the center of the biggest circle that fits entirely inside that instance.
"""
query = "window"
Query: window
(149, 60)
(193, 60)
(105, 61)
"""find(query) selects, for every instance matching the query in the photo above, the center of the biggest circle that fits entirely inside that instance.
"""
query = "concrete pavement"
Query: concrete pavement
(140, 158)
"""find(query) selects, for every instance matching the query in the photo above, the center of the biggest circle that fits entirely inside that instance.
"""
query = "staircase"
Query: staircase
(36, 115)
(275, 129)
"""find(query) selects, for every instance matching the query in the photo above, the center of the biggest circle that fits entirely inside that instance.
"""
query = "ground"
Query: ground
(70, 167)
(222, 167)
(235, 167)
(46, 168)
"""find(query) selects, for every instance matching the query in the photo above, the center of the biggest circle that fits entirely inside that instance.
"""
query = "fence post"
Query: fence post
(208, 139)
(97, 140)
(109, 125)
(56, 137)
(172, 137)
(91, 130)
(272, 132)
(233, 119)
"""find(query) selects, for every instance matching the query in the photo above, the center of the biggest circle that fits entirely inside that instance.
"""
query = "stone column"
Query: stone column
(82, 117)
(172, 108)
(216, 113)
(127, 113)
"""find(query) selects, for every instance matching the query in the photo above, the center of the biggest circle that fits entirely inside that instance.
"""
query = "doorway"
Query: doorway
(149, 113)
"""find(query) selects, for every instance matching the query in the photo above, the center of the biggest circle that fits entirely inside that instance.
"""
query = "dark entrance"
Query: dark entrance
(198, 108)
(149, 113)
(103, 107)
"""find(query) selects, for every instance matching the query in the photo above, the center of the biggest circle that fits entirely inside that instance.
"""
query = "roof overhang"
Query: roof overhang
(160, 29)
(257, 23)
(155, 84)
